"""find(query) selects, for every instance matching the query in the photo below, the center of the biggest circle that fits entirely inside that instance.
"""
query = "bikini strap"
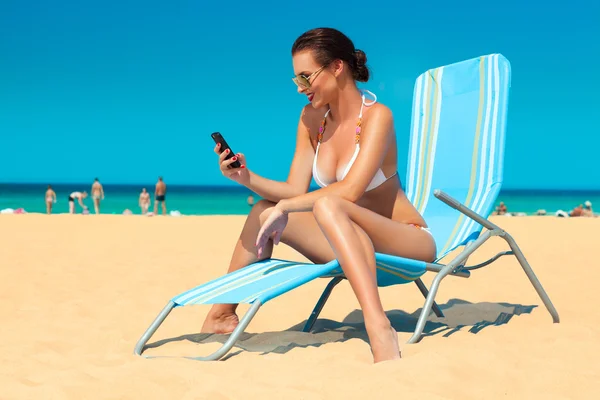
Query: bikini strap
(358, 124)
(364, 103)
(322, 127)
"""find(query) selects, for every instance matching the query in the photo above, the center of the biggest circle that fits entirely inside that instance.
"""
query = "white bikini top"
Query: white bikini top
(379, 177)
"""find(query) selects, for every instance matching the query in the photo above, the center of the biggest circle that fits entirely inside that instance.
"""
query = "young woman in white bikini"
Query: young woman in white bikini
(348, 145)
(50, 199)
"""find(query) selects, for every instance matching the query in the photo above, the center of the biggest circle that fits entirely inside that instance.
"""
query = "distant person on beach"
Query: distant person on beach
(250, 200)
(587, 209)
(144, 201)
(79, 196)
(160, 193)
(501, 209)
(97, 194)
(577, 211)
(50, 199)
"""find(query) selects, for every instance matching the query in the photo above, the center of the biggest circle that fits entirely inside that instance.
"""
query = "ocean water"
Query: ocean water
(529, 202)
(188, 200)
(219, 200)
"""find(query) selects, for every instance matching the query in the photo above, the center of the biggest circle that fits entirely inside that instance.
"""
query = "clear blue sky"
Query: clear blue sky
(129, 90)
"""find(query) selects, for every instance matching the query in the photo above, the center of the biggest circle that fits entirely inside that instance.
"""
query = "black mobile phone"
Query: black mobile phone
(218, 138)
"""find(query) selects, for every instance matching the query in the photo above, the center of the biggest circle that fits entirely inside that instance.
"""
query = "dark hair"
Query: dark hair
(328, 45)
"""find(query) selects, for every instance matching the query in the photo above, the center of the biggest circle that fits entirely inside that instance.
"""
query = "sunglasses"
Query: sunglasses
(303, 81)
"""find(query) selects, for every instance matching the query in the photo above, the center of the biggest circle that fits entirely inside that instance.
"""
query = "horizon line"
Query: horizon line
(243, 188)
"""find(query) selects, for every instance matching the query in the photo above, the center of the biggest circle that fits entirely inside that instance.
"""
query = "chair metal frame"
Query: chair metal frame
(456, 267)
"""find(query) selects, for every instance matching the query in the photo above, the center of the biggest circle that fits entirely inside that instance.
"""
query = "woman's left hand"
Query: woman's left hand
(272, 228)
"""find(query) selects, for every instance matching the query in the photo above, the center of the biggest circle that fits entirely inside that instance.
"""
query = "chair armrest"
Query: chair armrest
(449, 200)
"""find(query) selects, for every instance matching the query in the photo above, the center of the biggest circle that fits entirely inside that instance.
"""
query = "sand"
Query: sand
(77, 292)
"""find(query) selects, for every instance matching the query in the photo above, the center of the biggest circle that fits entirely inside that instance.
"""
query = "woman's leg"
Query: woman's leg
(301, 233)
(347, 227)
(71, 207)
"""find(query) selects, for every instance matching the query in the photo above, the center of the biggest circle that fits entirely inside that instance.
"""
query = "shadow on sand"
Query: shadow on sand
(458, 313)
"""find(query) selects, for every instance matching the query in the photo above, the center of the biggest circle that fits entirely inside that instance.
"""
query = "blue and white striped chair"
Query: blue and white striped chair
(454, 176)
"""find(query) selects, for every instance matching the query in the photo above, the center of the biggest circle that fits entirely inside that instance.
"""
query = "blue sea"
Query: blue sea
(188, 200)
(219, 200)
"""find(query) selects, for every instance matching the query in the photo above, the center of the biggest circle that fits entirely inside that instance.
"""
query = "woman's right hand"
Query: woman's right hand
(239, 175)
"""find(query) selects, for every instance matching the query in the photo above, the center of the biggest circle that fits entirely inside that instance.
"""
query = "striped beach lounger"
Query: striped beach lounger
(454, 175)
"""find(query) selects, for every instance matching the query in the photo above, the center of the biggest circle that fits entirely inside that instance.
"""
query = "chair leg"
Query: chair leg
(532, 277)
(139, 347)
(219, 353)
(436, 309)
(435, 284)
(429, 301)
(320, 304)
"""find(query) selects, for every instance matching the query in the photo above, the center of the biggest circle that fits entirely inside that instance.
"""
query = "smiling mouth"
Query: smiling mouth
(310, 97)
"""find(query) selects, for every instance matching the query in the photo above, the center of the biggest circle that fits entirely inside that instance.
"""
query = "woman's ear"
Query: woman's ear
(338, 67)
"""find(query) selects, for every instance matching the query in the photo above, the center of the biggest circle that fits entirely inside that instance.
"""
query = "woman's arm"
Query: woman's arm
(374, 142)
(299, 176)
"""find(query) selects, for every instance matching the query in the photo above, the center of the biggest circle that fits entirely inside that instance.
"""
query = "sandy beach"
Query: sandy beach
(78, 291)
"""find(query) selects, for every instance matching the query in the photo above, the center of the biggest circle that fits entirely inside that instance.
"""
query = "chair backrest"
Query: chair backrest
(457, 144)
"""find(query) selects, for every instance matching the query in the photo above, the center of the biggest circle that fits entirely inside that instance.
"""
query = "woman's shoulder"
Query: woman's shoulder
(379, 119)
(380, 110)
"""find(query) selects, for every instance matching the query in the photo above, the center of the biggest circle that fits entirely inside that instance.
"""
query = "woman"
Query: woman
(79, 196)
(97, 194)
(347, 143)
(144, 201)
(50, 199)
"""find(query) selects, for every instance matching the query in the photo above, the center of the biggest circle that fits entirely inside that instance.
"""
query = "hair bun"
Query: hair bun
(361, 72)
(360, 56)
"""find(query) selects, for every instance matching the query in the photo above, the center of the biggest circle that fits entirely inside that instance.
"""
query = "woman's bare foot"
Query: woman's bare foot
(384, 344)
(220, 323)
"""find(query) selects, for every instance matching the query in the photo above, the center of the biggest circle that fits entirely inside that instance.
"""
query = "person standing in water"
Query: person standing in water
(50, 199)
(160, 192)
(144, 201)
(97, 194)
(79, 196)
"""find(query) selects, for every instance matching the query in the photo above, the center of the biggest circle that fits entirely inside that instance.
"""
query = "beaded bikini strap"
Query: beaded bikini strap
(324, 122)
(358, 123)
(322, 127)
